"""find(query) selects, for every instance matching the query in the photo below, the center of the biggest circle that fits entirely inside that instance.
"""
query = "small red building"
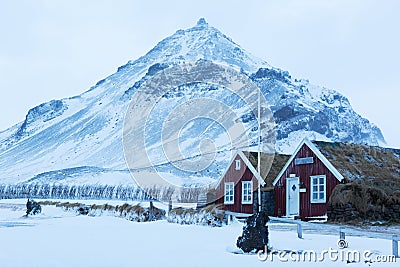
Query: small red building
(304, 185)
(236, 191)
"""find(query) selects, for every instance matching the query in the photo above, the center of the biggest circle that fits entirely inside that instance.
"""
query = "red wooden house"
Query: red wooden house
(236, 191)
(300, 185)
(304, 185)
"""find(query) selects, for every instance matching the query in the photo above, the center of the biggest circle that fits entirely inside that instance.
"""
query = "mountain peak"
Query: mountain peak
(202, 22)
(202, 42)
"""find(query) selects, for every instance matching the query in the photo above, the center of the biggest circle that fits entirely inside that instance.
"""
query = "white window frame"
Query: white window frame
(247, 190)
(237, 166)
(229, 188)
(318, 191)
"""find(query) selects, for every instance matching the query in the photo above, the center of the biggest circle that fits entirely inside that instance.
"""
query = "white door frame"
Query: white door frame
(289, 182)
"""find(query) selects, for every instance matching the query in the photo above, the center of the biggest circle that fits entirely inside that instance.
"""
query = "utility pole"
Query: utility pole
(258, 150)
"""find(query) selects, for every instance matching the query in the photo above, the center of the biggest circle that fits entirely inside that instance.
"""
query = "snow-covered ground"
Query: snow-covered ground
(59, 238)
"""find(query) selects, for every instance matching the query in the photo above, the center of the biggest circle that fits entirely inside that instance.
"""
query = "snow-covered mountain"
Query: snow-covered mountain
(79, 139)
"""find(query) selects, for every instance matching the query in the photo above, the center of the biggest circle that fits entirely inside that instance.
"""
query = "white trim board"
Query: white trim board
(319, 155)
(247, 163)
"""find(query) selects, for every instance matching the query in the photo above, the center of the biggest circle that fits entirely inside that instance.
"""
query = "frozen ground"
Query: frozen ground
(58, 238)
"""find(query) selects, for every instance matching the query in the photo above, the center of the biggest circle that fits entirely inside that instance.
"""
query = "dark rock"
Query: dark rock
(275, 74)
(154, 69)
(83, 210)
(32, 207)
(285, 113)
(255, 233)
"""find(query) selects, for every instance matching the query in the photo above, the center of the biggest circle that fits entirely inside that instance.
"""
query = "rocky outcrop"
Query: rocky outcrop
(32, 207)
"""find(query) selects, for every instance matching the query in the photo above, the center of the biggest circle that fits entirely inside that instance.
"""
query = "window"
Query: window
(229, 189)
(247, 192)
(318, 189)
(237, 164)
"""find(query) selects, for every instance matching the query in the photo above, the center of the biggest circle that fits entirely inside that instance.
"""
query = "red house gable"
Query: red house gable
(236, 190)
(304, 185)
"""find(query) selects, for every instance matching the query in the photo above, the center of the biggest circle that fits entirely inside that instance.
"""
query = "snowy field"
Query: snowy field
(59, 238)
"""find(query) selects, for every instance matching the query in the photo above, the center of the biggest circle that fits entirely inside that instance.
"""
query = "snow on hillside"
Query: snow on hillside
(201, 42)
(86, 131)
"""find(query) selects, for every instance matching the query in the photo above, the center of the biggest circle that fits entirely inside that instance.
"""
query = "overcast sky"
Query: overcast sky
(51, 49)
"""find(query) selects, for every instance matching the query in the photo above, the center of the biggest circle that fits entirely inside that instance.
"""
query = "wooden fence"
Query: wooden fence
(342, 231)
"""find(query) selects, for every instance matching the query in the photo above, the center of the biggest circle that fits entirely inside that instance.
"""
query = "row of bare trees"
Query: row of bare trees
(121, 192)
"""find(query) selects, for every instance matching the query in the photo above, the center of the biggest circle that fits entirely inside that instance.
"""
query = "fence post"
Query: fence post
(169, 206)
(342, 235)
(299, 230)
(395, 246)
(151, 211)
